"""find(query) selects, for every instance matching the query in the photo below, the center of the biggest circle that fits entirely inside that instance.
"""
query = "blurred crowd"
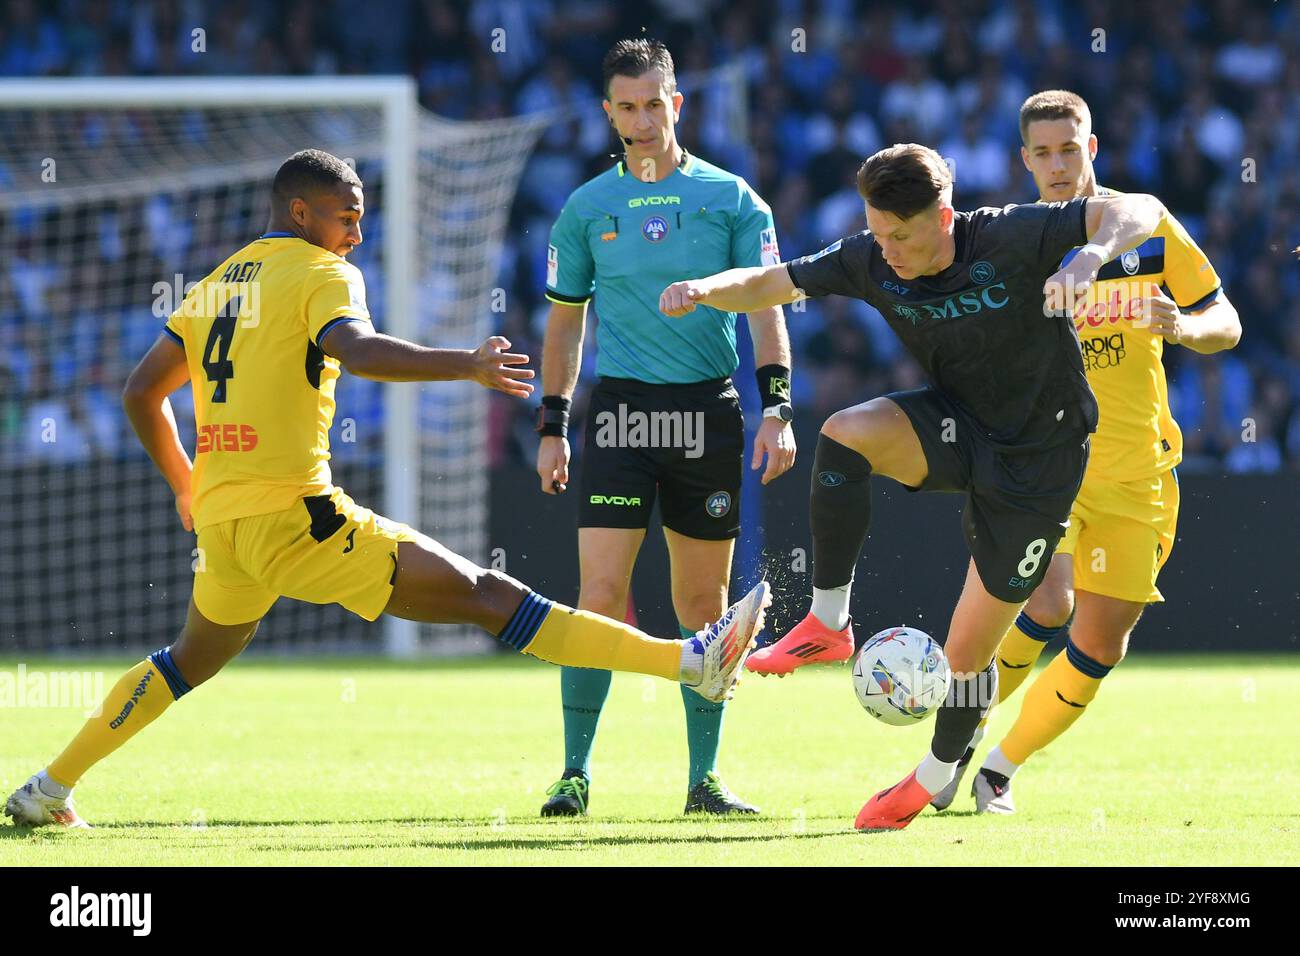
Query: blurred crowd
(1198, 103)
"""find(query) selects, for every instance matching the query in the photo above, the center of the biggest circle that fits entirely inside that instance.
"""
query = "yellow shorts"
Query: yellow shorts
(1121, 534)
(327, 549)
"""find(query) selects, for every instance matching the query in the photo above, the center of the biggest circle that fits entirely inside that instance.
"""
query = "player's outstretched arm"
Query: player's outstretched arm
(144, 398)
(370, 354)
(1120, 223)
(736, 290)
(1114, 224)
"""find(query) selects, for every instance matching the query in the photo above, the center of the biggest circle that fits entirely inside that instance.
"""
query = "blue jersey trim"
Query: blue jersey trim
(1203, 302)
(330, 324)
(1154, 246)
(179, 341)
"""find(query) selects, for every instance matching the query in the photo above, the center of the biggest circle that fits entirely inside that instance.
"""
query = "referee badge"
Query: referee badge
(655, 228)
(719, 504)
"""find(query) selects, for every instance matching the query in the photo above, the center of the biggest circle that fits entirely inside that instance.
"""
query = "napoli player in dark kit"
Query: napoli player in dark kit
(1005, 421)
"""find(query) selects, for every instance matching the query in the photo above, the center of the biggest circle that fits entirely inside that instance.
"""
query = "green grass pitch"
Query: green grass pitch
(1180, 761)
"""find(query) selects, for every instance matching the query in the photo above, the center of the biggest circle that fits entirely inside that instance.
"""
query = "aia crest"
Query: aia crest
(719, 504)
(981, 273)
(655, 228)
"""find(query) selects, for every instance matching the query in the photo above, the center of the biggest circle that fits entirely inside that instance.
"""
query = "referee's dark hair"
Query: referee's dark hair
(904, 179)
(307, 173)
(634, 57)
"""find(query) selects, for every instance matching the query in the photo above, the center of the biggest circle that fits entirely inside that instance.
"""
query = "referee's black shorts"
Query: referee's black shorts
(1017, 504)
(685, 443)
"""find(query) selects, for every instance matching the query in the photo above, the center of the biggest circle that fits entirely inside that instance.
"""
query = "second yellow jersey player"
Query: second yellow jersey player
(1123, 522)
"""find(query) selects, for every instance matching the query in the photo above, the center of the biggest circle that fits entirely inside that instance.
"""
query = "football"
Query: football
(901, 675)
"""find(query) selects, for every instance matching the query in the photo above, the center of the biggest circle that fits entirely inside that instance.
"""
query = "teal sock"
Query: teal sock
(703, 728)
(582, 692)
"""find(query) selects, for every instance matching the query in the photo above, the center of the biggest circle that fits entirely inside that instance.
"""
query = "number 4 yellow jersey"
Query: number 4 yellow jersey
(263, 389)
(1136, 435)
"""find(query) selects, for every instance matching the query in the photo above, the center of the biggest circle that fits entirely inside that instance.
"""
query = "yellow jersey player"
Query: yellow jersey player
(1121, 528)
(262, 340)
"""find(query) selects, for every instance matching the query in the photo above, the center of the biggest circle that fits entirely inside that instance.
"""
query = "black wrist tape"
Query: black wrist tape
(553, 416)
(773, 385)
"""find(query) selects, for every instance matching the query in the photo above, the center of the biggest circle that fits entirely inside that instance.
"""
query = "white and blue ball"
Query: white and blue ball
(901, 676)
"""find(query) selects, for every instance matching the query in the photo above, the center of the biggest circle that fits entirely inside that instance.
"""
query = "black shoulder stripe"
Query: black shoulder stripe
(1153, 264)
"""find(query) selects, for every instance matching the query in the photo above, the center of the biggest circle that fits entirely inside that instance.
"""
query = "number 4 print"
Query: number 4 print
(216, 352)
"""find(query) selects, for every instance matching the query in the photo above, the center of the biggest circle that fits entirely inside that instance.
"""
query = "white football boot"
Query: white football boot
(31, 806)
(992, 793)
(724, 645)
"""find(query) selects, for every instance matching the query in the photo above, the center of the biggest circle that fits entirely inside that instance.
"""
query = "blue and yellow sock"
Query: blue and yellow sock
(1020, 650)
(139, 696)
(703, 728)
(561, 635)
(1054, 701)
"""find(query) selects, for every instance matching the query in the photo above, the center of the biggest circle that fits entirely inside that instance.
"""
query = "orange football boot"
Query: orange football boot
(894, 808)
(808, 642)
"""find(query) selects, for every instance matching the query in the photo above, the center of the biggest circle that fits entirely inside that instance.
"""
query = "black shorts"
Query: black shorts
(1017, 504)
(687, 442)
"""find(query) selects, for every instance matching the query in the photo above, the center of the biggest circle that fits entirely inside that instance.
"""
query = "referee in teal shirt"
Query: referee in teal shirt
(664, 419)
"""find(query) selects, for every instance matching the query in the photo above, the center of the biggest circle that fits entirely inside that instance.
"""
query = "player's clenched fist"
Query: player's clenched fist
(680, 298)
(1159, 313)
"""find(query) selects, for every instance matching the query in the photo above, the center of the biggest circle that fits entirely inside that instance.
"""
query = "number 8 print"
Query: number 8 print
(1033, 554)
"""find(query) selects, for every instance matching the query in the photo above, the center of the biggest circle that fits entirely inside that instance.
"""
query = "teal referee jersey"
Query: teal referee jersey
(619, 241)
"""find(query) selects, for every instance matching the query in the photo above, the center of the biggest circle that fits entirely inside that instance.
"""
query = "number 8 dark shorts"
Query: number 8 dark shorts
(1017, 504)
